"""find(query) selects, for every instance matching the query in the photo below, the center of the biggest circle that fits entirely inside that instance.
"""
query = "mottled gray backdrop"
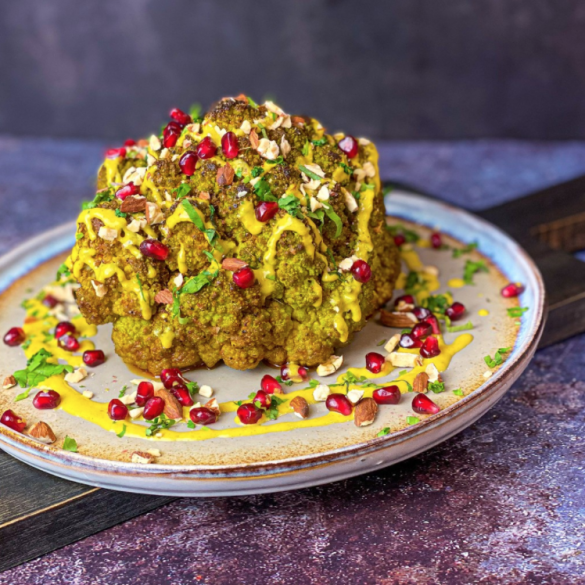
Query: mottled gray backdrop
(434, 69)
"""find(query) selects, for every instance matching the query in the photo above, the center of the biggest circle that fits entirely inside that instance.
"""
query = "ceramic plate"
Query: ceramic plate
(311, 453)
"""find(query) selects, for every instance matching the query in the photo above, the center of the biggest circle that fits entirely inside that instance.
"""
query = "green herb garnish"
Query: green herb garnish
(118, 214)
(101, 197)
(160, 422)
(271, 412)
(291, 205)
(458, 252)
(414, 283)
(465, 327)
(412, 420)
(263, 191)
(409, 235)
(70, 444)
(123, 391)
(458, 392)
(39, 369)
(257, 171)
(335, 219)
(436, 387)
(122, 432)
(252, 102)
(210, 233)
(436, 304)
(516, 311)
(309, 173)
(385, 431)
(181, 191)
(320, 141)
(498, 357)
(62, 271)
(471, 268)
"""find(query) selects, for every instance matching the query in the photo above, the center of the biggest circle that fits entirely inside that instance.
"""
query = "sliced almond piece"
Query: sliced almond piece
(354, 396)
(42, 432)
(9, 382)
(128, 398)
(108, 234)
(206, 391)
(331, 366)
(365, 412)
(421, 383)
(233, 264)
(136, 412)
(433, 374)
(225, 175)
(254, 141)
(142, 457)
(396, 319)
(213, 406)
(321, 392)
(173, 408)
(392, 343)
(300, 406)
(164, 297)
(404, 360)
(133, 204)
(154, 213)
(87, 394)
(76, 376)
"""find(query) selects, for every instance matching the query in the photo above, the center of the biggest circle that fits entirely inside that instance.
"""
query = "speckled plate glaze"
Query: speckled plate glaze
(305, 456)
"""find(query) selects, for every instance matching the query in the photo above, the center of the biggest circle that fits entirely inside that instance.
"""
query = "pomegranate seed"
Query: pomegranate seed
(229, 145)
(127, 190)
(387, 395)
(430, 348)
(399, 239)
(116, 152)
(144, 392)
(46, 400)
(180, 117)
(171, 134)
(183, 395)
(422, 404)
(249, 414)
(117, 410)
(287, 372)
(64, 328)
(14, 336)
(407, 299)
(349, 145)
(421, 313)
(263, 398)
(12, 421)
(50, 301)
(434, 323)
(244, 277)
(374, 362)
(129, 142)
(455, 311)
(361, 271)
(154, 249)
(512, 290)
(68, 343)
(436, 240)
(408, 341)
(206, 148)
(187, 162)
(153, 407)
(270, 385)
(203, 416)
(93, 357)
(266, 211)
(171, 376)
(421, 330)
(339, 403)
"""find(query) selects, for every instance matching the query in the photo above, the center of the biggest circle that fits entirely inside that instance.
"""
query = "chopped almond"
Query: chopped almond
(164, 297)
(225, 175)
(300, 406)
(365, 412)
(233, 264)
(42, 432)
(9, 382)
(397, 320)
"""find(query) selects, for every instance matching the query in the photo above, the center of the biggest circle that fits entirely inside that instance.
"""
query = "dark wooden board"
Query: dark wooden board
(40, 513)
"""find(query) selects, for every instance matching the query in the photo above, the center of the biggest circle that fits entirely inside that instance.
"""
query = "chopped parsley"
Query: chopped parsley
(436, 304)
(412, 420)
(140, 287)
(380, 343)
(190, 424)
(458, 252)
(472, 268)
(62, 271)
(285, 382)
(516, 311)
(347, 169)
(39, 369)
(118, 214)
(257, 171)
(181, 191)
(252, 102)
(320, 141)
(318, 215)
(210, 233)
(263, 191)
(465, 327)
(80, 236)
(101, 197)
(195, 112)
(437, 387)
(458, 392)
(291, 205)
(122, 432)
(123, 391)
(498, 357)
(385, 431)
(271, 412)
(415, 283)
(306, 149)
(160, 422)
(70, 444)
(409, 235)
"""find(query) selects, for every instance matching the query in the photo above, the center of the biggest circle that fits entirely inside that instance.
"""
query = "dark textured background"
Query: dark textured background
(393, 69)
